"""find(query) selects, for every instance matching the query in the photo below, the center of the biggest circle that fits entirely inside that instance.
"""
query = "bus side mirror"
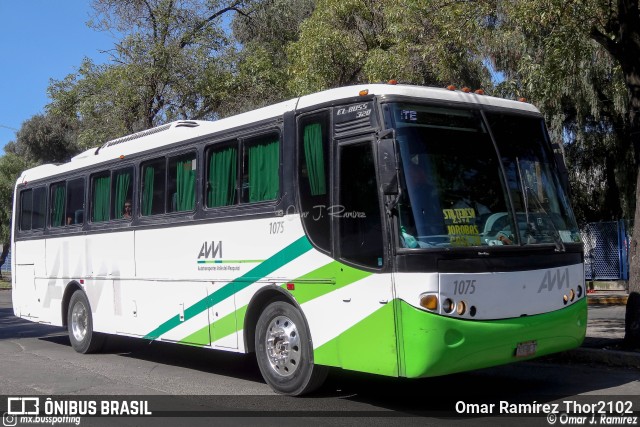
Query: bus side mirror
(563, 171)
(388, 165)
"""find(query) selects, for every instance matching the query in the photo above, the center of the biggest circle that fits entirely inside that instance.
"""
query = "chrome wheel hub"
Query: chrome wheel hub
(79, 321)
(283, 346)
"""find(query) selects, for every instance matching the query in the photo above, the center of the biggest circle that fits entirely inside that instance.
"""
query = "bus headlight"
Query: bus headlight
(447, 305)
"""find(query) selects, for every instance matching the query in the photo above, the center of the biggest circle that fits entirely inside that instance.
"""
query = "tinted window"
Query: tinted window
(261, 165)
(122, 194)
(153, 187)
(358, 212)
(181, 185)
(222, 176)
(26, 209)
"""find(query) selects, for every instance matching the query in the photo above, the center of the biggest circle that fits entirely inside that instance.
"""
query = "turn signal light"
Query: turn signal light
(364, 92)
(461, 308)
(430, 302)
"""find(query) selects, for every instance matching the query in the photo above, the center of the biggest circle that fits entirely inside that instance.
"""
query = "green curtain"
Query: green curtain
(101, 198)
(123, 182)
(147, 190)
(264, 163)
(185, 185)
(222, 177)
(314, 156)
(57, 214)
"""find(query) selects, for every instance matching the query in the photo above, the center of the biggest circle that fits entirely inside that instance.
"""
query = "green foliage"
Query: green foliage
(355, 41)
(11, 166)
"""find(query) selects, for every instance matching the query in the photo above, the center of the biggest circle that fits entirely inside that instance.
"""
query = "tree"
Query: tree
(167, 66)
(260, 71)
(360, 41)
(580, 61)
(11, 166)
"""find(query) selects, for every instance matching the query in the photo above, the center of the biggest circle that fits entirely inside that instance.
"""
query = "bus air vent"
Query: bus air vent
(351, 127)
(135, 136)
(187, 124)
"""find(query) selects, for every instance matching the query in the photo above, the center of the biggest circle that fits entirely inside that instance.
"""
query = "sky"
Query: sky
(41, 40)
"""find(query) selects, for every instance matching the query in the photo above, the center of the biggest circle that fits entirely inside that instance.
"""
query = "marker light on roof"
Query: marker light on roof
(479, 91)
(466, 90)
(121, 156)
(522, 99)
(364, 92)
(451, 87)
(393, 82)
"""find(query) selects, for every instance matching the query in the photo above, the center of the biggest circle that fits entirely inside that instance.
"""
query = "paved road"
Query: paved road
(38, 360)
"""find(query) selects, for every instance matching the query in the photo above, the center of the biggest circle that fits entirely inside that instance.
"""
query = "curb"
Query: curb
(607, 299)
(614, 358)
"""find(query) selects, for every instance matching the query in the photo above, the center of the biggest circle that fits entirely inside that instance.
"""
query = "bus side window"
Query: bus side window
(313, 178)
(121, 193)
(222, 176)
(57, 203)
(181, 185)
(153, 187)
(26, 209)
(261, 169)
(100, 197)
(39, 208)
(75, 201)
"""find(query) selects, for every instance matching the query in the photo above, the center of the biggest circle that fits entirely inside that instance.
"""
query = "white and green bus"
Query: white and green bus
(397, 230)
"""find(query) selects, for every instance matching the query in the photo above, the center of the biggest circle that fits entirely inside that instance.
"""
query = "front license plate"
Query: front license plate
(527, 348)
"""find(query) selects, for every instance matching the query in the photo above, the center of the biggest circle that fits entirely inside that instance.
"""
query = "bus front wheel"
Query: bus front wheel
(80, 325)
(284, 351)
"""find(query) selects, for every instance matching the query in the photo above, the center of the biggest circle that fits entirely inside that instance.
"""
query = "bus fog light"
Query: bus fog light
(579, 291)
(461, 308)
(447, 305)
(472, 311)
(429, 301)
(572, 295)
(565, 299)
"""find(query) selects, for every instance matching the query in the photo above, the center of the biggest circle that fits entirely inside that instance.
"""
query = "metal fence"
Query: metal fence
(606, 250)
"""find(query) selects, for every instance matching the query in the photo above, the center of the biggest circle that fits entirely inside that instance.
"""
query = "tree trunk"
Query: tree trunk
(3, 255)
(632, 315)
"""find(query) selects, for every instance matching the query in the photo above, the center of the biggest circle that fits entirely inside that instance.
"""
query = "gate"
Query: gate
(606, 250)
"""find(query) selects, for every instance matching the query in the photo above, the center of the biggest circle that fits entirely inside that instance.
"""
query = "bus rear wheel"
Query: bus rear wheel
(80, 325)
(284, 351)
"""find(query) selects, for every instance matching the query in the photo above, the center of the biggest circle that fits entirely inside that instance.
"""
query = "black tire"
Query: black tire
(80, 325)
(284, 351)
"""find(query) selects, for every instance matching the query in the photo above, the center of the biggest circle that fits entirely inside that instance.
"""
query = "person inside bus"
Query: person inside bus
(127, 210)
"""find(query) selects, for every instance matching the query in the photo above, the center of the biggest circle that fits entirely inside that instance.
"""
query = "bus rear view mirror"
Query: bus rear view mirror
(388, 165)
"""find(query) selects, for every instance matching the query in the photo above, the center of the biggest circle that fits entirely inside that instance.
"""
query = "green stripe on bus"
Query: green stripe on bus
(230, 261)
(367, 346)
(341, 274)
(285, 256)
(221, 328)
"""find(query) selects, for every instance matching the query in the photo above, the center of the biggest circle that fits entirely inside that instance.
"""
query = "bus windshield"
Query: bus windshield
(457, 192)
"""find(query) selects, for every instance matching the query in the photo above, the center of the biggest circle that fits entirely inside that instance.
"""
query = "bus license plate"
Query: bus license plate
(527, 348)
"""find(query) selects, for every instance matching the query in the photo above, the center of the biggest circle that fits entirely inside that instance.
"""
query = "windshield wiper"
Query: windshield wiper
(555, 233)
(531, 228)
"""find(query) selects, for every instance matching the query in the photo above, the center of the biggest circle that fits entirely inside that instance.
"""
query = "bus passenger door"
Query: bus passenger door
(369, 341)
